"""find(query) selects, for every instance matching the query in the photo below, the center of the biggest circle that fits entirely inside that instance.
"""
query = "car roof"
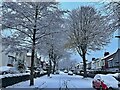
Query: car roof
(5, 68)
(106, 77)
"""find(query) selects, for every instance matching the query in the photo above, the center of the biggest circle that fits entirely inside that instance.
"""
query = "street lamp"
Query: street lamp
(118, 40)
(119, 48)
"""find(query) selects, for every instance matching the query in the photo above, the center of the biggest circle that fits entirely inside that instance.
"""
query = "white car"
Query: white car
(70, 73)
(8, 69)
(106, 82)
(117, 75)
(27, 71)
(65, 71)
(57, 72)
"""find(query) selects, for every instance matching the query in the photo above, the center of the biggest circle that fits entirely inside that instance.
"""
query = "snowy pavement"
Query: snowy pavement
(62, 80)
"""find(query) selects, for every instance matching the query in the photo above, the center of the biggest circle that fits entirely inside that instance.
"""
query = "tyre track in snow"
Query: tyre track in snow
(68, 82)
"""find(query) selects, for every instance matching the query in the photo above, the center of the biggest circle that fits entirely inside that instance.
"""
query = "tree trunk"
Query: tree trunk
(49, 67)
(33, 50)
(32, 65)
(84, 65)
(54, 67)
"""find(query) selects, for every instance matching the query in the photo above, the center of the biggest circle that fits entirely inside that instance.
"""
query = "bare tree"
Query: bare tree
(88, 30)
(29, 22)
(67, 63)
(54, 45)
(113, 11)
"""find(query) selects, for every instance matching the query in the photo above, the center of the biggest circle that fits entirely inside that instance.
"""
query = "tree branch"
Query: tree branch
(19, 30)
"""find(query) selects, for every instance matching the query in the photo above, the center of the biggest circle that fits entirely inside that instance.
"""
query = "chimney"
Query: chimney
(106, 53)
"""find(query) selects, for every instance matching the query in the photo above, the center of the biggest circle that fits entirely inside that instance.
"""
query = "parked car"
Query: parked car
(42, 71)
(70, 73)
(65, 71)
(116, 76)
(8, 70)
(57, 72)
(27, 71)
(78, 72)
(106, 82)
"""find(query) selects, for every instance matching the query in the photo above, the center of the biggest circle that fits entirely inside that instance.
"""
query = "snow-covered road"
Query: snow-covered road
(62, 80)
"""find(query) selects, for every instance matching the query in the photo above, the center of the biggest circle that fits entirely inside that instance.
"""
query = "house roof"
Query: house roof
(111, 56)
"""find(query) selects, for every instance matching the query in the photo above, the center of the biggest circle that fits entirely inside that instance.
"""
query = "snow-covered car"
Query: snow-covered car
(57, 72)
(8, 69)
(65, 71)
(116, 76)
(70, 73)
(41, 71)
(106, 82)
(27, 71)
(36, 71)
(78, 72)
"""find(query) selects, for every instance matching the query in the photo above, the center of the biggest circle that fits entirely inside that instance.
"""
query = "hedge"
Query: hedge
(8, 81)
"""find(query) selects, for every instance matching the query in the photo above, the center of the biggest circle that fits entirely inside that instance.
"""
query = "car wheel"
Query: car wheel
(110, 88)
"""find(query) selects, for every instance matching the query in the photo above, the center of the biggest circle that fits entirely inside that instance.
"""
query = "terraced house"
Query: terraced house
(110, 62)
(113, 61)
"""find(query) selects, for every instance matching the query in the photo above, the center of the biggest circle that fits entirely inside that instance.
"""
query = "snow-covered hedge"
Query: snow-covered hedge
(10, 79)
(13, 75)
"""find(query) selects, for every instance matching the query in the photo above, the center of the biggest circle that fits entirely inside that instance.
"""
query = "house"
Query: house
(15, 57)
(88, 67)
(36, 60)
(93, 64)
(3, 56)
(97, 64)
(112, 61)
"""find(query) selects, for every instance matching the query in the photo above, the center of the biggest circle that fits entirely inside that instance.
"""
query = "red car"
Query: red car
(104, 82)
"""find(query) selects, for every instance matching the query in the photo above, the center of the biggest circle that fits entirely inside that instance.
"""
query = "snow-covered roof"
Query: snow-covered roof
(108, 55)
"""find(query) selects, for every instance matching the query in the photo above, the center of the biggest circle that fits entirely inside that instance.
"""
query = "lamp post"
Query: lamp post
(118, 47)
(118, 36)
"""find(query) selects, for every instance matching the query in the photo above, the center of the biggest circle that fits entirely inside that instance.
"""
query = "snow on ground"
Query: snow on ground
(61, 80)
